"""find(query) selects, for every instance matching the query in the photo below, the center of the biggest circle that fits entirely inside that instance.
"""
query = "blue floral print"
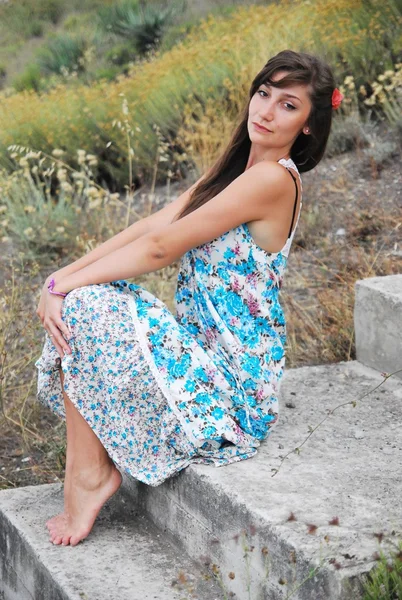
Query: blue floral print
(162, 391)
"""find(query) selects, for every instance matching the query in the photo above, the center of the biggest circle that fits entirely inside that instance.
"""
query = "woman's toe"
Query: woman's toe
(66, 540)
(57, 539)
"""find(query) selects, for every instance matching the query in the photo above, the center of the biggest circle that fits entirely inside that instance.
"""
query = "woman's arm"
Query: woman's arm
(162, 217)
(131, 233)
(264, 186)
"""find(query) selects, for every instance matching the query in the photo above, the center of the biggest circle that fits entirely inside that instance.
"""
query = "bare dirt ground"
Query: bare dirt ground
(350, 228)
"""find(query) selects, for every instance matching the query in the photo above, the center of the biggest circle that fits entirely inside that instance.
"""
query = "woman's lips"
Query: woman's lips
(261, 128)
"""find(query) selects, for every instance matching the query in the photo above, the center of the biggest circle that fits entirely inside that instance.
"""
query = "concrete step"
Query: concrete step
(269, 537)
(349, 470)
(125, 558)
(378, 323)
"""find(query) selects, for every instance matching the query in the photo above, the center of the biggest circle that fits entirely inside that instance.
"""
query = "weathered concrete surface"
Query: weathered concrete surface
(350, 468)
(125, 558)
(378, 323)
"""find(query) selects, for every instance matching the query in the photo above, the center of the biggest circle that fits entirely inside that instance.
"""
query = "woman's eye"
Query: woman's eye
(291, 107)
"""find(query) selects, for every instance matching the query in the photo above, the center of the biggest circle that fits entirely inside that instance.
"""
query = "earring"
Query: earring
(307, 130)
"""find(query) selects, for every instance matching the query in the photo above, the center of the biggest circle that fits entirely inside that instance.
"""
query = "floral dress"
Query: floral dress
(162, 391)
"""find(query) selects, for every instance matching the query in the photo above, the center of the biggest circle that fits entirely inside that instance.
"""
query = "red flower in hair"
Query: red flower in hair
(337, 98)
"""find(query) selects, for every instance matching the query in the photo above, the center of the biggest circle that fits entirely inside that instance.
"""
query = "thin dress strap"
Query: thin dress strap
(294, 208)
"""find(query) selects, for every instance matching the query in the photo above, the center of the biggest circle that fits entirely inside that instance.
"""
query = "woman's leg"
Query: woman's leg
(69, 457)
(91, 479)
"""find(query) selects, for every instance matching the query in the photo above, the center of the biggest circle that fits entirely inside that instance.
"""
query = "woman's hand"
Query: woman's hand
(49, 311)
(40, 311)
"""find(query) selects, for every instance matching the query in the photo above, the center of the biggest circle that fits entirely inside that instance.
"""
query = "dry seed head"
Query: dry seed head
(92, 192)
(95, 203)
(66, 187)
(62, 174)
(32, 154)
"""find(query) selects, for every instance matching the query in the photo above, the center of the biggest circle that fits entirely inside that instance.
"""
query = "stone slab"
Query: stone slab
(349, 469)
(378, 323)
(124, 558)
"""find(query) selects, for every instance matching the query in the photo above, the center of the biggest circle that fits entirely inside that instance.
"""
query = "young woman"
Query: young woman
(151, 392)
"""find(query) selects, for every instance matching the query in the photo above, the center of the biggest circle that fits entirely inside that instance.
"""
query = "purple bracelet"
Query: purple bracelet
(50, 287)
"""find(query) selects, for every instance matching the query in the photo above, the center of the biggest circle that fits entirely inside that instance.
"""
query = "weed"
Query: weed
(384, 582)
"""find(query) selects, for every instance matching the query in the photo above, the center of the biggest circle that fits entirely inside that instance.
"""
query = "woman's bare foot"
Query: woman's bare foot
(57, 519)
(86, 497)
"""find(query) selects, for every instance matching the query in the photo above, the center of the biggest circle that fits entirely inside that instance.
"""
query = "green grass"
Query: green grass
(384, 582)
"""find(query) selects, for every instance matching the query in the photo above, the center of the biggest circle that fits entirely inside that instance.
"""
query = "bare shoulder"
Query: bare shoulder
(271, 229)
(252, 196)
(272, 172)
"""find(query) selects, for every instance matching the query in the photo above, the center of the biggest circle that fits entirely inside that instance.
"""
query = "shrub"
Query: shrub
(347, 133)
(113, 18)
(44, 210)
(62, 52)
(150, 25)
(121, 54)
(35, 28)
(143, 26)
(107, 73)
(49, 10)
(175, 34)
(22, 18)
(386, 97)
(380, 153)
(29, 79)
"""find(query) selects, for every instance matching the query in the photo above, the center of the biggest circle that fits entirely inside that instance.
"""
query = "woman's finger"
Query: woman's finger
(56, 344)
(64, 328)
(57, 339)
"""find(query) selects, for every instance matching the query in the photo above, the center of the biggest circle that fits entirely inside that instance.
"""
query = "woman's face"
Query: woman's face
(283, 111)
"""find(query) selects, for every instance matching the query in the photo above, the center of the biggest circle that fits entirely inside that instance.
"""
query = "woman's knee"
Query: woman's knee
(75, 305)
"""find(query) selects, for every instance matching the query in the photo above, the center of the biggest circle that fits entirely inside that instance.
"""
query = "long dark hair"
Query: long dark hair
(306, 151)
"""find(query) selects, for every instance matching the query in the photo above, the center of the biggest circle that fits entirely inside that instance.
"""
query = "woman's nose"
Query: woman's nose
(268, 111)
